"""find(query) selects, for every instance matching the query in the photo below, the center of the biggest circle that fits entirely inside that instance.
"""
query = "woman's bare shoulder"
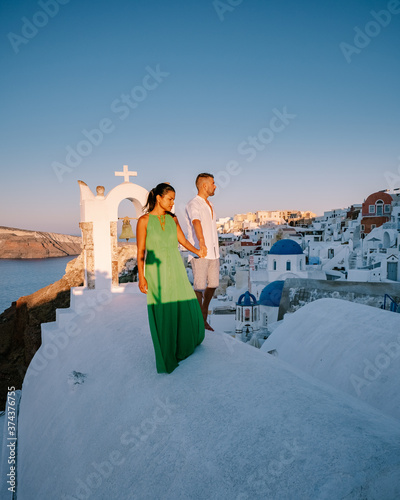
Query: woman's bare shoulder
(142, 221)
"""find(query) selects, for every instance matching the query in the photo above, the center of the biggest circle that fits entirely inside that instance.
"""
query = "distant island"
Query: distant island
(24, 244)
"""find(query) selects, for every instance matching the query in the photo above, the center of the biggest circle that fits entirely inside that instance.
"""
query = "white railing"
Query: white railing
(391, 225)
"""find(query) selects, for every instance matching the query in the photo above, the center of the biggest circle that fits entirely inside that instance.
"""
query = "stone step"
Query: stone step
(64, 317)
(83, 298)
(48, 331)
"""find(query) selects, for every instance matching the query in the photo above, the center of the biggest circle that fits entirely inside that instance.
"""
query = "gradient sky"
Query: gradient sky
(225, 70)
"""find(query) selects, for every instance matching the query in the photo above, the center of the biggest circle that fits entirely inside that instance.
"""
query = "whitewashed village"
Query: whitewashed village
(351, 246)
(294, 395)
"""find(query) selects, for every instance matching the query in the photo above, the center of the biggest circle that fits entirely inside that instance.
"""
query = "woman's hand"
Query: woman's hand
(202, 252)
(143, 285)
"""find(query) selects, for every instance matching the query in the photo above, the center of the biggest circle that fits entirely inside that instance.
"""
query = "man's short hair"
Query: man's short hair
(202, 176)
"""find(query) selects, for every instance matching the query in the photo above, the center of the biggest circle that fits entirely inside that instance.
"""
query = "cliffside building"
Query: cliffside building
(376, 210)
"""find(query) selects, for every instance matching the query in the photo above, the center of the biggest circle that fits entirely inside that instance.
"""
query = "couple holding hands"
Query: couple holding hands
(177, 313)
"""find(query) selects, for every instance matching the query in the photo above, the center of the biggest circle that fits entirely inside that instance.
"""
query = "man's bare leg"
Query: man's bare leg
(204, 299)
(208, 295)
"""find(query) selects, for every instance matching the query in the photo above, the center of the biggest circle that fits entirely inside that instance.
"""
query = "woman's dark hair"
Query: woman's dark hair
(161, 189)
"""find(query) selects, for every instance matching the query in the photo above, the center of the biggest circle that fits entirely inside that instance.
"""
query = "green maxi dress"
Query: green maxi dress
(175, 318)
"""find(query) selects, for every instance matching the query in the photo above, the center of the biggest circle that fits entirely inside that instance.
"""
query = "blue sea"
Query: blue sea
(20, 277)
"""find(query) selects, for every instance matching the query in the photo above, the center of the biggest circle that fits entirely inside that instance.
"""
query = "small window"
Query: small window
(288, 265)
(387, 209)
(373, 226)
(372, 209)
(362, 227)
(274, 265)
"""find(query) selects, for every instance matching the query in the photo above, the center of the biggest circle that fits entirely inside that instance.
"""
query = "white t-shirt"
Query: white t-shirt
(197, 208)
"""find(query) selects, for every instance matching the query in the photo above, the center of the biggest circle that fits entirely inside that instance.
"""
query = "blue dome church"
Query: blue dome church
(269, 301)
(247, 314)
(286, 259)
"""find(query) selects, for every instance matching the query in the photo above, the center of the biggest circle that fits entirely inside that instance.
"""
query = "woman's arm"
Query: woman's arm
(184, 242)
(141, 232)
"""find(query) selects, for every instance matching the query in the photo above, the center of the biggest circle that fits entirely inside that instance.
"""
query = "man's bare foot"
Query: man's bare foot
(208, 327)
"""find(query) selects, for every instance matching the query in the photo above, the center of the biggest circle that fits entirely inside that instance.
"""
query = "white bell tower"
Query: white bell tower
(99, 217)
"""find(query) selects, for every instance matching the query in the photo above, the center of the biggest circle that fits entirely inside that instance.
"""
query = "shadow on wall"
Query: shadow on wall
(297, 292)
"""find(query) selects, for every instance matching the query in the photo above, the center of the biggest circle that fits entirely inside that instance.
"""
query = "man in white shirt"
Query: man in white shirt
(202, 232)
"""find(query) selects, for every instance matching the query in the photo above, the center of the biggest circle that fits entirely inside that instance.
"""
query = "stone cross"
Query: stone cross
(126, 174)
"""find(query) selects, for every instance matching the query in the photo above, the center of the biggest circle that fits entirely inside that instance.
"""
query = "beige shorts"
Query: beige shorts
(205, 273)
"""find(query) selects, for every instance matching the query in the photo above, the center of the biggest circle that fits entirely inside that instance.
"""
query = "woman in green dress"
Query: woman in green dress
(175, 319)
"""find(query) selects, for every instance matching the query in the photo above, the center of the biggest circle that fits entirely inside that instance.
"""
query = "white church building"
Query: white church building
(286, 259)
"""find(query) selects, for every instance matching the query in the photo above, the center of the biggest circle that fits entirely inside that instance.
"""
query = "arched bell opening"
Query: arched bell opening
(123, 241)
(127, 221)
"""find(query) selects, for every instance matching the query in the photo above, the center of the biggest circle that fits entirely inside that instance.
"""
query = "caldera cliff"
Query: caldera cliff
(23, 244)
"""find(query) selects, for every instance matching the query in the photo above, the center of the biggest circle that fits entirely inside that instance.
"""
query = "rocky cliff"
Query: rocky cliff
(23, 244)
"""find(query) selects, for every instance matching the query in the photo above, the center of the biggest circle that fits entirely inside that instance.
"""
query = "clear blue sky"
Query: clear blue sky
(224, 74)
